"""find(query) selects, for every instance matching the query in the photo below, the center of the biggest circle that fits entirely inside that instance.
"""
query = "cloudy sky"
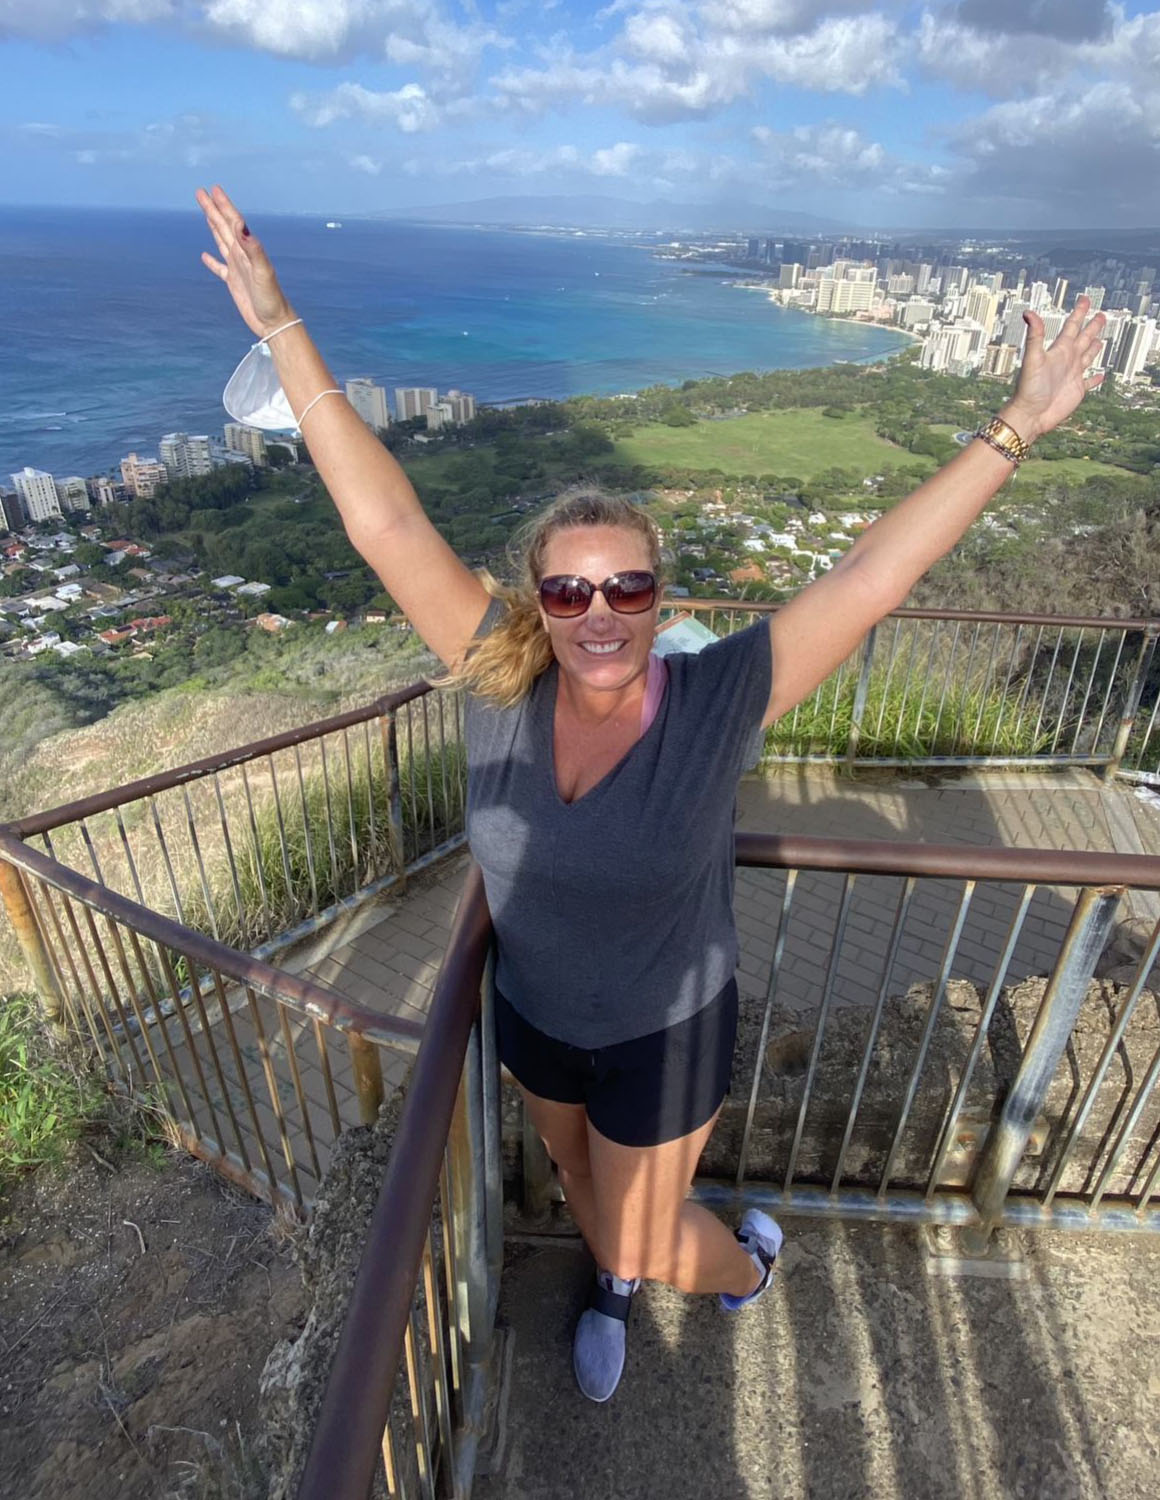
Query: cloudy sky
(972, 113)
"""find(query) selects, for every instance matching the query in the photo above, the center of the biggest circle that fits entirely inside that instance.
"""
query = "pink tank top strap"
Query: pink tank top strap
(654, 690)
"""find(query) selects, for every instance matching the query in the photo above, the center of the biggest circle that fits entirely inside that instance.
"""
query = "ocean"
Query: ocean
(112, 333)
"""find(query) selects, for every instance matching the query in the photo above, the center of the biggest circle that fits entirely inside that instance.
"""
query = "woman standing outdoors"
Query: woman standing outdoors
(601, 790)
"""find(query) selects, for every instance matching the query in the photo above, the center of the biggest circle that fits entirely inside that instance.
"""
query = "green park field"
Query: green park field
(799, 442)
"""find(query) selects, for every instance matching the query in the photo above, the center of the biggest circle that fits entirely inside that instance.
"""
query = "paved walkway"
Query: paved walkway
(860, 1374)
(390, 964)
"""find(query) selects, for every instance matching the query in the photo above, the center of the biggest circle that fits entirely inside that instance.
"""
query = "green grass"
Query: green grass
(910, 727)
(274, 873)
(801, 443)
(1040, 471)
(46, 1100)
(1071, 471)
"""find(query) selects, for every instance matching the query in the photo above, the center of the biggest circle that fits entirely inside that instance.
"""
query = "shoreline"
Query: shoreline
(111, 432)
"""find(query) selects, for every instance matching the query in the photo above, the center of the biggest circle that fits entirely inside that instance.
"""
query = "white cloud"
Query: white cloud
(412, 33)
(615, 161)
(664, 66)
(1089, 151)
(366, 164)
(410, 108)
(837, 156)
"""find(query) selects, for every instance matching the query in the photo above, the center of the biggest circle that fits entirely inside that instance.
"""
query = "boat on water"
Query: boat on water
(333, 224)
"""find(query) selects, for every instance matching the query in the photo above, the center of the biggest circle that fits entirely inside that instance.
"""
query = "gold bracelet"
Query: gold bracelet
(1004, 439)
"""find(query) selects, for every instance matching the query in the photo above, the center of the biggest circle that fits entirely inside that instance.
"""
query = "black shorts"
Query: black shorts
(652, 1089)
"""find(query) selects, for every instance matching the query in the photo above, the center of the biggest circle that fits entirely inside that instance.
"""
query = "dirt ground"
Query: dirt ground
(138, 1302)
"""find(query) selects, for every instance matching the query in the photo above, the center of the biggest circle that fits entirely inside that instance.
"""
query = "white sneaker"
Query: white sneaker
(762, 1238)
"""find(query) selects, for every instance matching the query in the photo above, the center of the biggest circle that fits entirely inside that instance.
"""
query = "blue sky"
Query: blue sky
(963, 113)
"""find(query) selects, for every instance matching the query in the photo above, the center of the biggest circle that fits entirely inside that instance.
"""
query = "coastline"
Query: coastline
(773, 296)
(543, 327)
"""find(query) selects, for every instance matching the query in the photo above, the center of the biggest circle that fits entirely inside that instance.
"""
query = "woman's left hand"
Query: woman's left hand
(1052, 382)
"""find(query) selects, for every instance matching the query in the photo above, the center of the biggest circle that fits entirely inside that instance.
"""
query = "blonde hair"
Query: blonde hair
(505, 663)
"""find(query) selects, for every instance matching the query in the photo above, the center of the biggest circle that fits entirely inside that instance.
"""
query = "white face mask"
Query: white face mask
(254, 395)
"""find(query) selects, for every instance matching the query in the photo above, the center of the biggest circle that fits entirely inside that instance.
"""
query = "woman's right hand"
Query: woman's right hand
(244, 266)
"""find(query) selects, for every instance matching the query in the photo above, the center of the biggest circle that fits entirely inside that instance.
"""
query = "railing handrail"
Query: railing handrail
(195, 770)
(147, 786)
(306, 995)
(983, 616)
(356, 1404)
(1069, 867)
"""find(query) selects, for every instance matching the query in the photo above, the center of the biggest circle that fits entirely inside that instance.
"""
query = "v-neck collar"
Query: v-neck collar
(546, 737)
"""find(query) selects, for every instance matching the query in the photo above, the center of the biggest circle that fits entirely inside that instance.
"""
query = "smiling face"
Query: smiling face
(600, 650)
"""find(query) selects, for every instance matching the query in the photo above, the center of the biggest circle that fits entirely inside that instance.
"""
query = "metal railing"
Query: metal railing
(259, 846)
(1010, 1106)
(948, 1103)
(974, 688)
(424, 1302)
(252, 1069)
(984, 1097)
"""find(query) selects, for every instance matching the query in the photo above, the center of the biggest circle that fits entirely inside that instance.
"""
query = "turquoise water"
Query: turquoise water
(113, 333)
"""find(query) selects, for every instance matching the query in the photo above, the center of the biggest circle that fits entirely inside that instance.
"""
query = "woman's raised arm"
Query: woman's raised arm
(819, 628)
(379, 508)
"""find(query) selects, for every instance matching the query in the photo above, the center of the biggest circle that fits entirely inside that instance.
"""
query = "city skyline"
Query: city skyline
(965, 114)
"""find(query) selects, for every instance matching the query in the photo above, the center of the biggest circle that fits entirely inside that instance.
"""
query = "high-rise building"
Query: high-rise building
(462, 405)
(73, 493)
(789, 275)
(248, 440)
(413, 400)
(1135, 347)
(1000, 360)
(983, 306)
(1096, 295)
(855, 292)
(102, 490)
(916, 311)
(37, 490)
(1059, 291)
(1039, 296)
(143, 477)
(185, 457)
(13, 514)
(922, 277)
(439, 415)
(370, 401)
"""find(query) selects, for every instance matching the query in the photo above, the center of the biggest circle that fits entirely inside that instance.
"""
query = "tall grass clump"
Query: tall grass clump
(322, 839)
(47, 1100)
(906, 723)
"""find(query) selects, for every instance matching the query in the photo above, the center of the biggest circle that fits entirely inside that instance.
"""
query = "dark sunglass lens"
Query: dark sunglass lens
(631, 593)
(562, 596)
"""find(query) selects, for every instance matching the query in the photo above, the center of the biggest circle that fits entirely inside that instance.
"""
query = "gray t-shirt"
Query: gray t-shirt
(614, 913)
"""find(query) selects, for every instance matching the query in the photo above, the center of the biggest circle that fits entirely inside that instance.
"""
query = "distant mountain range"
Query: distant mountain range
(595, 212)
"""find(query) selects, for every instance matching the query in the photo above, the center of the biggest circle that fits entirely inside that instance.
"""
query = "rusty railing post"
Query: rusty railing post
(861, 693)
(467, 1159)
(395, 796)
(1132, 702)
(1091, 925)
(22, 915)
(368, 1077)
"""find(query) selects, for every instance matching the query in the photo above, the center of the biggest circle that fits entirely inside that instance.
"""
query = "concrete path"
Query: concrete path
(859, 1374)
(390, 960)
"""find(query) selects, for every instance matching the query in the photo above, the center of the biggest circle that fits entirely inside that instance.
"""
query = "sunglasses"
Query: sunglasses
(566, 596)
